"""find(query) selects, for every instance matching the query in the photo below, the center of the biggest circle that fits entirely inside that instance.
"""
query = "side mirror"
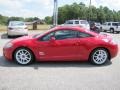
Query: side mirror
(52, 39)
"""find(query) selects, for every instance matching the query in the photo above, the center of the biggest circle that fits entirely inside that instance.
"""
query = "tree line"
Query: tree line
(74, 11)
(4, 20)
(81, 11)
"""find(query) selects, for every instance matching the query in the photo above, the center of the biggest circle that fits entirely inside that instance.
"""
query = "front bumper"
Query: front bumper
(7, 52)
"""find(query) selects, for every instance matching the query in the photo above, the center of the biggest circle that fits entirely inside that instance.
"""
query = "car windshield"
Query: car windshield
(38, 35)
(17, 23)
(84, 22)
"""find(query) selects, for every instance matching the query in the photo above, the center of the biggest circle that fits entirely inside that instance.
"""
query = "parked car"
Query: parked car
(98, 25)
(16, 28)
(62, 43)
(81, 23)
(111, 27)
(95, 27)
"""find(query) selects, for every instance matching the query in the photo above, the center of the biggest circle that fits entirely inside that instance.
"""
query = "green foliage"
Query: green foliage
(73, 11)
(15, 19)
(48, 20)
(31, 19)
(81, 11)
(3, 20)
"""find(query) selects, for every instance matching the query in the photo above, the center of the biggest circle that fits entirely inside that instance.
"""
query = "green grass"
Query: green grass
(3, 28)
(30, 27)
(39, 27)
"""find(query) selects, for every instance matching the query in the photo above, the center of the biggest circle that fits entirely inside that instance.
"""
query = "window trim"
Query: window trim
(76, 31)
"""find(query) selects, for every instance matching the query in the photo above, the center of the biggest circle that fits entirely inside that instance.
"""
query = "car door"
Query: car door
(104, 26)
(108, 26)
(63, 47)
(84, 43)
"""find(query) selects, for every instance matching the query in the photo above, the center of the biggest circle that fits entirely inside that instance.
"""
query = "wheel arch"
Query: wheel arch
(111, 28)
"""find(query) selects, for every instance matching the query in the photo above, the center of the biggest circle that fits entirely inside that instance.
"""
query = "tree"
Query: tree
(48, 20)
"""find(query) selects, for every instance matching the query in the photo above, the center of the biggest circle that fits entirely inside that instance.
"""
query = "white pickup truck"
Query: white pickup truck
(111, 26)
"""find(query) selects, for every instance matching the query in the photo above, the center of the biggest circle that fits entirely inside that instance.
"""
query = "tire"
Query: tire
(99, 56)
(118, 32)
(9, 36)
(23, 56)
(112, 30)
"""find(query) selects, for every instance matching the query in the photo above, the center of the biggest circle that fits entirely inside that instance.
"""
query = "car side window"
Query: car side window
(83, 35)
(65, 34)
(104, 23)
(76, 22)
(109, 24)
(47, 37)
(115, 24)
(69, 22)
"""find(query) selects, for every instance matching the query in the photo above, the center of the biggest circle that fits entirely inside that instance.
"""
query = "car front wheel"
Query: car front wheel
(99, 56)
(23, 56)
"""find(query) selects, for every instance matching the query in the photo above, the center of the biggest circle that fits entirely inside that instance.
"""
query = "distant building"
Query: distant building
(35, 21)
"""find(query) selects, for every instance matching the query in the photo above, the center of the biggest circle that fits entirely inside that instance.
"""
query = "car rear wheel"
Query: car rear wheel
(23, 56)
(112, 30)
(99, 56)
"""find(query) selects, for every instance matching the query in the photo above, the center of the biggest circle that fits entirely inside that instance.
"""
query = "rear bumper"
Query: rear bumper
(118, 30)
(114, 50)
(17, 32)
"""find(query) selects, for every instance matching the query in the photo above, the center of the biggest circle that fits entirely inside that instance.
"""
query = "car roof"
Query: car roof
(78, 28)
(76, 20)
(112, 22)
(69, 27)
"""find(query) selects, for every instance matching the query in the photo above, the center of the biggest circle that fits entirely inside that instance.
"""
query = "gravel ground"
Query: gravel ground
(60, 75)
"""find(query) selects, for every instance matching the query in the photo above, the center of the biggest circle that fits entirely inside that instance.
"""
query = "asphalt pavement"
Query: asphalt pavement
(58, 75)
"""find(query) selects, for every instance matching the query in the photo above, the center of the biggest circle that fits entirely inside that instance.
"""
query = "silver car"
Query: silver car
(82, 23)
(16, 28)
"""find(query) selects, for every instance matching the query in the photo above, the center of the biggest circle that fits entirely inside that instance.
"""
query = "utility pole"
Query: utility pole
(90, 11)
(55, 13)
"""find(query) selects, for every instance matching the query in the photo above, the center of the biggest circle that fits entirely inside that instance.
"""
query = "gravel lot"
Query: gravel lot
(60, 75)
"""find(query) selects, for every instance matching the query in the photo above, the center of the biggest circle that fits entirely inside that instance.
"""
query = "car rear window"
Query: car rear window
(15, 23)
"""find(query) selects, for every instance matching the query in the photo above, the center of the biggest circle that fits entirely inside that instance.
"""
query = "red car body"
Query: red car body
(71, 49)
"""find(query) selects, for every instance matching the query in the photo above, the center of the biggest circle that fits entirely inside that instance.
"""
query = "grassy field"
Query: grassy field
(39, 27)
(3, 28)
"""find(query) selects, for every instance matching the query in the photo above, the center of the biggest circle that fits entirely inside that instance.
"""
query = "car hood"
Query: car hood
(22, 39)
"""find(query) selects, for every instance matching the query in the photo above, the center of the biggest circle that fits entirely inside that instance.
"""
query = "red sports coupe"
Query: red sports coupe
(62, 43)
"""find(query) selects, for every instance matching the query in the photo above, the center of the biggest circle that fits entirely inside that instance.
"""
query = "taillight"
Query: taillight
(10, 28)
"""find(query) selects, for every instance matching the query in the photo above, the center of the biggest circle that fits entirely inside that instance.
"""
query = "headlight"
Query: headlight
(8, 45)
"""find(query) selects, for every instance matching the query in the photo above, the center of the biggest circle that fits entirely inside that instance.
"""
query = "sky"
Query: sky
(42, 8)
